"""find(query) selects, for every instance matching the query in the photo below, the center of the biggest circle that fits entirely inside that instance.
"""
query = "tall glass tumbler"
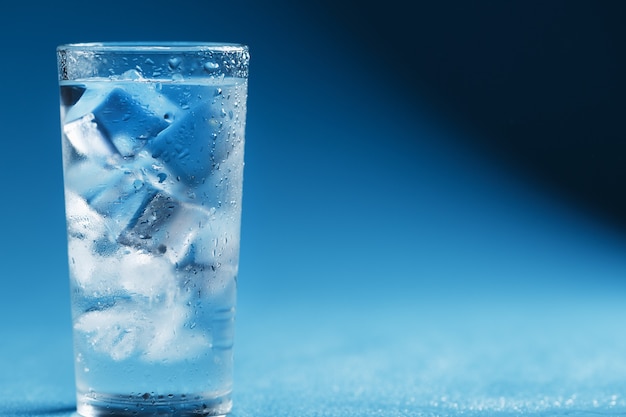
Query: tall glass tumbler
(153, 145)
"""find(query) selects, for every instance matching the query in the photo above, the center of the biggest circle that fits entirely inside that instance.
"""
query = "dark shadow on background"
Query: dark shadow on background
(538, 86)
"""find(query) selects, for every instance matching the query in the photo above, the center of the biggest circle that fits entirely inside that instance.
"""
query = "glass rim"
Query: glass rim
(153, 46)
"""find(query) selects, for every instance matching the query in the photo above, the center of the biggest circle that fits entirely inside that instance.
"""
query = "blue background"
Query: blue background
(433, 205)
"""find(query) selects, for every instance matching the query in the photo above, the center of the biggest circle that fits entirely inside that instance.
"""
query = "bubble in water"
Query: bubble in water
(210, 67)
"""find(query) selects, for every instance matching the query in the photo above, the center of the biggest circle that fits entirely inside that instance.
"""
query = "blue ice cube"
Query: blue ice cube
(125, 118)
(167, 228)
(147, 228)
(88, 178)
(121, 201)
(188, 146)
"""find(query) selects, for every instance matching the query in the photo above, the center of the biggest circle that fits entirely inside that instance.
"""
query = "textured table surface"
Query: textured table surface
(402, 356)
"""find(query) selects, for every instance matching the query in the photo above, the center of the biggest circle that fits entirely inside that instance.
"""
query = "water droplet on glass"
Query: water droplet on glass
(177, 77)
(218, 92)
(173, 63)
(210, 67)
(137, 184)
(162, 176)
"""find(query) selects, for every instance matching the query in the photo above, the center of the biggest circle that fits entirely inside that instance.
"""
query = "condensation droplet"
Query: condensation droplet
(210, 67)
(173, 63)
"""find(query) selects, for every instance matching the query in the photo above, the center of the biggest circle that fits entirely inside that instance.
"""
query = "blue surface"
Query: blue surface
(385, 268)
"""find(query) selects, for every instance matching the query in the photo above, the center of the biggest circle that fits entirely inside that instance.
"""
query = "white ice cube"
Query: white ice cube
(117, 331)
(88, 178)
(153, 332)
(141, 273)
(172, 339)
(83, 222)
(87, 139)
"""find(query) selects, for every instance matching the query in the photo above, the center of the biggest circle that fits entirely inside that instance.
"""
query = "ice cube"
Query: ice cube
(88, 101)
(172, 339)
(167, 227)
(159, 177)
(212, 254)
(70, 94)
(142, 274)
(152, 332)
(86, 138)
(146, 230)
(82, 221)
(119, 271)
(82, 264)
(88, 178)
(116, 331)
(181, 232)
(188, 146)
(91, 272)
(122, 200)
(84, 226)
(125, 117)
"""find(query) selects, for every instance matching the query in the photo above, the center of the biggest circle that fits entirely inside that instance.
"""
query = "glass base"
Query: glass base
(101, 405)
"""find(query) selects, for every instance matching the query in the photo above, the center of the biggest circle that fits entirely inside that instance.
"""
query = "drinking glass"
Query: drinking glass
(153, 146)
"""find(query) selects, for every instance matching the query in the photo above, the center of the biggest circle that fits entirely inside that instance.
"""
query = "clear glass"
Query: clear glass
(153, 145)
